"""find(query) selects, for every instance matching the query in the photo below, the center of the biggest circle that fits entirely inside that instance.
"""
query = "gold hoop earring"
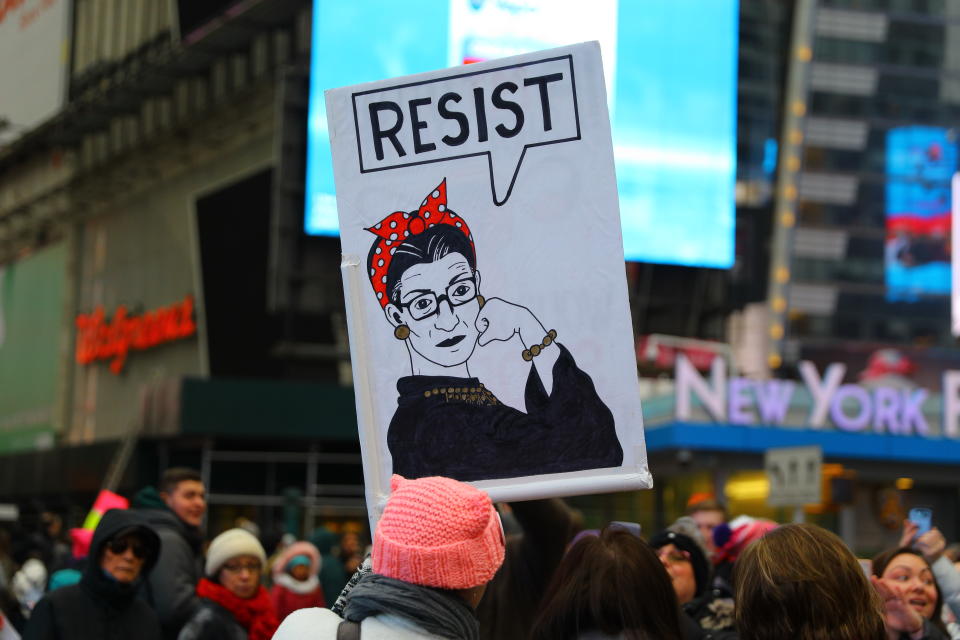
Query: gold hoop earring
(481, 301)
(402, 332)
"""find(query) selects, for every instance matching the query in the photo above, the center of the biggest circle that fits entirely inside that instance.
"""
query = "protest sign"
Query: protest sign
(483, 270)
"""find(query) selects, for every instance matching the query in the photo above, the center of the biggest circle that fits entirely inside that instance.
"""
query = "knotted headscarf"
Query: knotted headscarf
(400, 225)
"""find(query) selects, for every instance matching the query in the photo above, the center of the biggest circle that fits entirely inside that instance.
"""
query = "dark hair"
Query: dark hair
(612, 583)
(801, 581)
(433, 244)
(884, 558)
(175, 475)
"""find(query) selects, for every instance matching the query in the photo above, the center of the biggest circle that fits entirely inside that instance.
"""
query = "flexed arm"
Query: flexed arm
(501, 320)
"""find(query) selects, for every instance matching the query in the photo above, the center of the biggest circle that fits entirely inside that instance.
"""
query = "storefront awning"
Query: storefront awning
(757, 439)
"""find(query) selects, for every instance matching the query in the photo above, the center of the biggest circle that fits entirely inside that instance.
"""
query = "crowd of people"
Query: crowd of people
(447, 563)
(147, 572)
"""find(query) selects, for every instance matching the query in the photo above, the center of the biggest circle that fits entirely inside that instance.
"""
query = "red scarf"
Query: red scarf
(254, 614)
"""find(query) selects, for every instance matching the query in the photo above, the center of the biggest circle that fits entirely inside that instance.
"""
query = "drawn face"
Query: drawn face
(438, 302)
(911, 576)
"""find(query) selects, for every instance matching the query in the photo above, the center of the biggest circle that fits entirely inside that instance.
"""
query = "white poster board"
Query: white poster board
(34, 58)
(484, 277)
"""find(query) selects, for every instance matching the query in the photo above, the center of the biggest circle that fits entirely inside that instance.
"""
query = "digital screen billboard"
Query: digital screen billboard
(920, 163)
(671, 72)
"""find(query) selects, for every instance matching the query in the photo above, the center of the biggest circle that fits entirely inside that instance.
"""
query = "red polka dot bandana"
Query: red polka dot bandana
(399, 225)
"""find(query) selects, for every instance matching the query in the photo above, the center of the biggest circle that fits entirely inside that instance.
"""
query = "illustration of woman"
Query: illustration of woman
(423, 268)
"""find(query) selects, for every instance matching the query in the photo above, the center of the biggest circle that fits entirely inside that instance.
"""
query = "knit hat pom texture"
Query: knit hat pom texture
(438, 532)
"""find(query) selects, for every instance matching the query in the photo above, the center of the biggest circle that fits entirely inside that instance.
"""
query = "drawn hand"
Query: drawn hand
(501, 320)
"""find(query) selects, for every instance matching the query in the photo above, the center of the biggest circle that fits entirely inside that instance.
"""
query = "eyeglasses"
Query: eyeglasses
(427, 304)
(238, 567)
(674, 557)
(119, 547)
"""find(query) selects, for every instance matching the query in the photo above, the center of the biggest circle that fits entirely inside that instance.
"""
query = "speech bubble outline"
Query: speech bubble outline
(493, 191)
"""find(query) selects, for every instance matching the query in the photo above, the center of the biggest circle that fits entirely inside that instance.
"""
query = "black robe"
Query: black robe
(454, 427)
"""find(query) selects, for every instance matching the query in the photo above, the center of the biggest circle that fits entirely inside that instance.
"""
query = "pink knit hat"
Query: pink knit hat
(438, 532)
(730, 540)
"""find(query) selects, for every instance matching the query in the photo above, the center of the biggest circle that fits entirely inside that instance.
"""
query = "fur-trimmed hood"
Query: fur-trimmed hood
(299, 548)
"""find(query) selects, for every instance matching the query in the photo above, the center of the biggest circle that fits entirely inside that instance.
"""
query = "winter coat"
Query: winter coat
(930, 632)
(171, 588)
(99, 607)
(29, 584)
(10, 610)
(7, 630)
(212, 622)
(333, 577)
(713, 612)
(289, 595)
(692, 631)
(321, 624)
(948, 581)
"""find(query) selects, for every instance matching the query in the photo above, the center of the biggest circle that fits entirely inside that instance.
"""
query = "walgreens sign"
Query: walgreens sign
(111, 338)
(845, 407)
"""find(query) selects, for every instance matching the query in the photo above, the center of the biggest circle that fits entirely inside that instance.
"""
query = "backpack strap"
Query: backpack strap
(348, 630)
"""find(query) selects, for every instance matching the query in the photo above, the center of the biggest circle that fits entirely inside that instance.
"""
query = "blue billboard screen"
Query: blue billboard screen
(670, 67)
(920, 162)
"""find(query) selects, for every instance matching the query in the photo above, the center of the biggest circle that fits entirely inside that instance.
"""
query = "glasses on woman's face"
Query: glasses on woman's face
(119, 547)
(239, 567)
(427, 304)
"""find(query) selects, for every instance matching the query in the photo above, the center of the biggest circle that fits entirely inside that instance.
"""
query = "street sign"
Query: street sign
(794, 474)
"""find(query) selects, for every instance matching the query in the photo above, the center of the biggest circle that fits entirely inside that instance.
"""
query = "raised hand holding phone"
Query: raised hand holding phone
(923, 518)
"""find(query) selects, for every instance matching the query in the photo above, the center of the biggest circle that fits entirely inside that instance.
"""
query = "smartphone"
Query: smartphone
(923, 518)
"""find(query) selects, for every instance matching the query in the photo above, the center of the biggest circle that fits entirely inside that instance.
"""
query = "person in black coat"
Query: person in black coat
(175, 513)
(104, 605)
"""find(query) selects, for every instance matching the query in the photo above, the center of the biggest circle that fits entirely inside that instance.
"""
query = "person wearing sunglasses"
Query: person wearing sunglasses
(233, 603)
(104, 604)
(422, 267)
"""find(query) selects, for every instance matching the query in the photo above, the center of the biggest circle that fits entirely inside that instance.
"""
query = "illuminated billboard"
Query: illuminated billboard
(920, 163)
(670, 67)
